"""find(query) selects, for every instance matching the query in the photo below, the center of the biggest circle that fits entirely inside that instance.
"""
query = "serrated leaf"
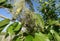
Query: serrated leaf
(29, 38)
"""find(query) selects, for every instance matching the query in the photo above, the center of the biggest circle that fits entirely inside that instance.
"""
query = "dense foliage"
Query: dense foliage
(31, 26)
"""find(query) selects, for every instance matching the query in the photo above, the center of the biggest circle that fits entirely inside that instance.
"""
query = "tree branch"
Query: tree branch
(2, 7)
(1, 16)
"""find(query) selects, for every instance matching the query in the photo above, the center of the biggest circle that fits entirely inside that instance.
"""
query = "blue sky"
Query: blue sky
(5, 13)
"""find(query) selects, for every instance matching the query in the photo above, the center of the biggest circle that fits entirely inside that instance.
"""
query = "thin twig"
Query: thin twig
(2, 7)
(1, 16)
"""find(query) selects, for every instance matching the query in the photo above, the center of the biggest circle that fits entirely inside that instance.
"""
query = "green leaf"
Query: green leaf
(53, 22)
(6, 35)
(39, 20)
(11, 28)
(2, 1)
(4, 22)
(40, 37)
(18, 27)
(56, 36)
(29, 38)
(14, 24)
(16, 38)
(5, 4)
(1, 28)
